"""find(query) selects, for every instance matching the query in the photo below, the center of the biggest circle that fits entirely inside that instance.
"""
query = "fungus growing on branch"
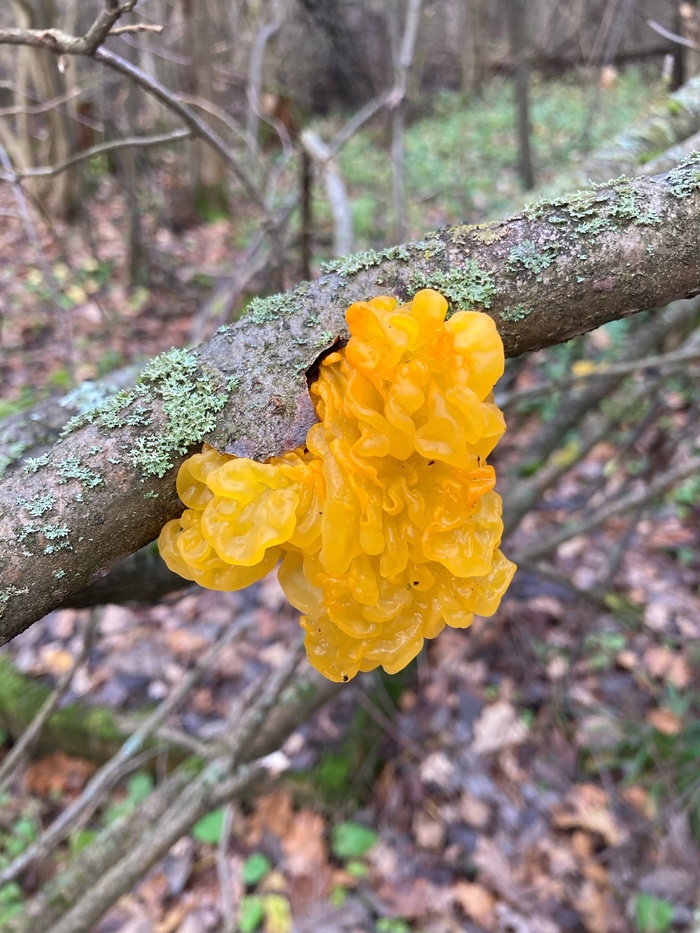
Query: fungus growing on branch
(387, 523)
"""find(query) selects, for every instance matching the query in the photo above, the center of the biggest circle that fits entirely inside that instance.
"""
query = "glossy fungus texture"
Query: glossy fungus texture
(387, 523)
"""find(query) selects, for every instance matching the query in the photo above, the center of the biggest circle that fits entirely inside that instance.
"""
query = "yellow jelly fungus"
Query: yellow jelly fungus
(386, 523)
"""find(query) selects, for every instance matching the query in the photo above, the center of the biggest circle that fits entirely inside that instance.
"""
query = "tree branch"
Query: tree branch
(55, 40)
(142, 142)
(559, 268)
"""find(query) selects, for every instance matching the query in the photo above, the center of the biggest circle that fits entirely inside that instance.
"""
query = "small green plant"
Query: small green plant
(352, 841)
(251, 913)
(667, 764)
(11, 902)
(255, 867)
(392, 925)
(138, 787)
(209, 828)
(651, 914)
(13, 842)
(602, 647)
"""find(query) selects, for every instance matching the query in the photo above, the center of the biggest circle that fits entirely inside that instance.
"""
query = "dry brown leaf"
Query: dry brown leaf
(436, 768)
(640, 800)
(476, 902)
(586, 807)
(58, 774)
(273, 813)
(429, 833)
(627, 659)
(54, 661)
(183, 641)
(597, 909)
(474, 811)
(498, 726)
(665, 721)
(304, 846)
(414, 898)
(582, 844)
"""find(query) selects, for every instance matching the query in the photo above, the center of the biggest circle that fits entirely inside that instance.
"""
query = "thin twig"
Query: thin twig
(106, 777)
(632, 500)
(255, 72)
(42, 261)
(223, 872)
(137, 27)
(222, 780)
(27, 740)
(142, 142)
(672, 36)
(197, 125)
(43, 107)
(361, 117)
(662, 361)
(402, 64)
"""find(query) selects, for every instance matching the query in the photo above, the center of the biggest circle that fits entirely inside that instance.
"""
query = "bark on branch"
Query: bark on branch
(557, 269)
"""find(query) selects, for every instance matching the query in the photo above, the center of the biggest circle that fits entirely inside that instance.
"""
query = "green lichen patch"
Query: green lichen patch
(190, 398)
(73, 468)
(37, 505)
(488, 234)
(465, 286)
(518, 313)
(86, 396)
(10, 592)
(56, 536)
(351, 265)
(628, 207)
(264, 310)
(601, 208)
(684, 179)
(32, 464)
(12, 453)
(528, 258)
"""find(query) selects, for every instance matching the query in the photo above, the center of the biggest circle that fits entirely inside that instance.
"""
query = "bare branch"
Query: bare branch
(55, 40)
(672, 360)
(141, 142)
(198, 126)
(60, 42)
(560, 268)
(136, 27)
(647, 493)
(107, 776)
(336, 193)
(43, 107)
(25, 743)
(672, 36)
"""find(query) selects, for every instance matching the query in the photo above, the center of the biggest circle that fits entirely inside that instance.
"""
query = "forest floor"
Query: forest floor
(537, 773)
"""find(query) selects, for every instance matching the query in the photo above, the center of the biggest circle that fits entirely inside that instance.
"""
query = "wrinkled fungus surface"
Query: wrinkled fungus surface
(386, 523)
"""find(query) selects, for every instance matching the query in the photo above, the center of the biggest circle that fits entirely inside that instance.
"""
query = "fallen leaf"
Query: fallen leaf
(436, 768)
(665, 721)
(58, 774)
(183, 641)
(597, 909)
(640, 800)
(476, 902)
(498, 726)
(473, 811)
(273, 813)
(304, 846)
(54, 661)
(586, 807)
(428, 832)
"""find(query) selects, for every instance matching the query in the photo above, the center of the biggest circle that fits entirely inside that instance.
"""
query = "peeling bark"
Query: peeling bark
(560, 268)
